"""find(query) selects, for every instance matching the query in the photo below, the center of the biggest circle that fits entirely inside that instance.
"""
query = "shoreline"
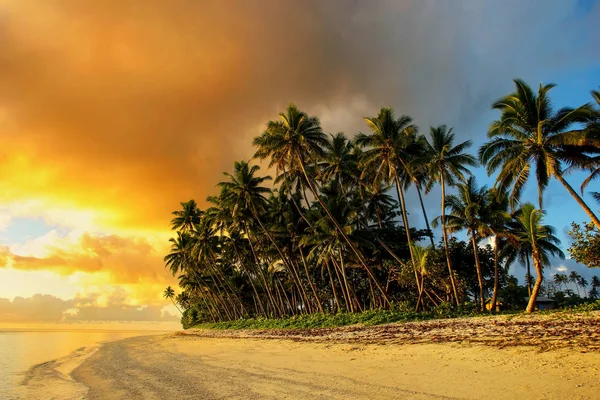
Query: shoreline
(53, 379)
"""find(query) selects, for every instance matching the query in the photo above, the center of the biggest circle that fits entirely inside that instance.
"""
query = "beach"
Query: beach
(231, 365)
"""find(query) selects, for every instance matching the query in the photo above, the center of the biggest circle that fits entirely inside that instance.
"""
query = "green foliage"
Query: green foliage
(322, 320)
(329, 245)
(586, 244)
(587, 307)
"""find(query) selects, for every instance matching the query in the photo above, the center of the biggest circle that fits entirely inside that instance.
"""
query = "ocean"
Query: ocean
(23, 348)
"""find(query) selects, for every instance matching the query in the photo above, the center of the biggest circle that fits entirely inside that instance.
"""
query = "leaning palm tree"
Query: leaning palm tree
(466, 210)
(532, 231)
(169, 293)
(294, 142)
(531, 134)
(593, 130)
(445, 165)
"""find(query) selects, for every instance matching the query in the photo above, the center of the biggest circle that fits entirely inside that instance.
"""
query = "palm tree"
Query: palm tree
(445, 165)
(583, 283)
(561, 279)
(329, 248)
(169, 293)
(495, 219)
(466, 214)
(293, 142)
(422, 255)
(574, 278)
(593, 130)
(243, 193)
(530, 134)
(340, 163)
(186, 218)
(389, 150)
(532, 231)
(595, 284)
(521, 251)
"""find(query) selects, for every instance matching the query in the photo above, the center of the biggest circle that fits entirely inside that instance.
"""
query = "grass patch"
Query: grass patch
(373, 317)
(323, 320)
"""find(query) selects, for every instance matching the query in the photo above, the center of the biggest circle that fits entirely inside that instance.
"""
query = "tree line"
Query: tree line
(328, 234)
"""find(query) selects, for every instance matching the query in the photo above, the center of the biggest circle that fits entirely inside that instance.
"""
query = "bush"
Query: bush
(398, 313)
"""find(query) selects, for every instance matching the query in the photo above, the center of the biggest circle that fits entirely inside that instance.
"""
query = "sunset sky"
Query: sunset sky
(112, 112)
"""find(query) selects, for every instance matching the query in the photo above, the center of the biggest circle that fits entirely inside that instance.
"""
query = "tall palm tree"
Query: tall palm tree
(495, 218)
(186, 218)
(532, 231)
(293, 142)
(340, 163)
(593, 131)
(574, 278)
(583, 283)
(521, 251)
(446, 164)
(531, 134)
(389, 150)
(169, 293)
(595, 284)
(466, 210)
(243, 193)
(561, 279)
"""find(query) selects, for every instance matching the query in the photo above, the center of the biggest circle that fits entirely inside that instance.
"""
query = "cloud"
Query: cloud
(91, 308)
(126, 109)
(113, 112)
(124, 259)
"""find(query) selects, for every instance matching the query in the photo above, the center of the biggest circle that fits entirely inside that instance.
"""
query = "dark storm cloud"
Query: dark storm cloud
(133, 106)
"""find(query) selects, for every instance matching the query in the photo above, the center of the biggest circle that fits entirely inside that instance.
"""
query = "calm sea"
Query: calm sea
(22, 349)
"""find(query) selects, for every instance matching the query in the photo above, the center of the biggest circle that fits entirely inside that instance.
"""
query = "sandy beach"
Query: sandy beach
(321, 365)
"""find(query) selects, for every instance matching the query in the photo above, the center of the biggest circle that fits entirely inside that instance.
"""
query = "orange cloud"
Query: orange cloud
(125, 260)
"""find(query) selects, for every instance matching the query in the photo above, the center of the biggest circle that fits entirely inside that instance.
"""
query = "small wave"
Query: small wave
(53, 380)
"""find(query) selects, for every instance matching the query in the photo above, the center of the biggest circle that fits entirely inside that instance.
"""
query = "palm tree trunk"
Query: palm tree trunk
(478, 267)
(425, 214)
(579, 200)
(246, 270)
(528, 276)
(538, 282)
(170, 298)
(284, 259)
(270, 297)
(345, 292)
(312, 285)
(360, 258)
(407, 228)
(331, 280)
(496, 277)
(445, 234)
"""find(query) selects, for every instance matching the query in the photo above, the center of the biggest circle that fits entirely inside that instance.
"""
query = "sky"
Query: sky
(112, 112)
